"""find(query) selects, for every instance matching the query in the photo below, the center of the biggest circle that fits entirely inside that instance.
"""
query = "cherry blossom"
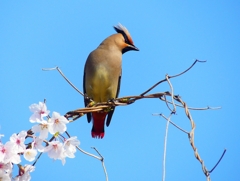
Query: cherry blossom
(4, 176)
(18, 145)
(25, 173)
(42, 128)
(70, 146)
(10, 152)
(39, 112)
(55, 150)
(6, 167)
(58, 123)
(37, 143)
(7, 154)
(30, 154)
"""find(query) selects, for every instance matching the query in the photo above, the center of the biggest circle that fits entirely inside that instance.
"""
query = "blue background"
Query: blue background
(170, 36)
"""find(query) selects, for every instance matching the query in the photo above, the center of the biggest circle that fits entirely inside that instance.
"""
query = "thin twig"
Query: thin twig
(166, 132)
(94, 156)
(37, 159)
(41, 152)
(89, 154)
(191, 108)
(165, 149)
(172, 123)
(200, 61)
(59, 70)
(172, 93)
(167, 103)
(170, 77)
(104, 168)
(218, 161)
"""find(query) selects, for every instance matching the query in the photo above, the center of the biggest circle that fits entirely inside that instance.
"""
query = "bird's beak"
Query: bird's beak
(132, 47)
(128, 48)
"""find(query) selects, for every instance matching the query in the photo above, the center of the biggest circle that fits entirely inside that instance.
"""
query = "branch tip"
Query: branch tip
(50, 69)
(218, 160)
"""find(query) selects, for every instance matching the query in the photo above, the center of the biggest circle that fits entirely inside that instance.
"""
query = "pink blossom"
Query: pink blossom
(18, 141)
(7, 154)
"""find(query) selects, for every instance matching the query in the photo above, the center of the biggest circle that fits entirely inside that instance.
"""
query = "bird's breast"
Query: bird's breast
(101, 86)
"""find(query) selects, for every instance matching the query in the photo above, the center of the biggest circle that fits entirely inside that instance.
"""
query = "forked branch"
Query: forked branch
(124, 101)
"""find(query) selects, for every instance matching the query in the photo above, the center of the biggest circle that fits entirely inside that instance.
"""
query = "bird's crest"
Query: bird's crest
(123, 30)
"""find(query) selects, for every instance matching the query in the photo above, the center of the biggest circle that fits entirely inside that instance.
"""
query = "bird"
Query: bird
(102, 75)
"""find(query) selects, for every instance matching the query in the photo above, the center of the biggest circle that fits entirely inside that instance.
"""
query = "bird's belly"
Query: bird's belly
(101, 89)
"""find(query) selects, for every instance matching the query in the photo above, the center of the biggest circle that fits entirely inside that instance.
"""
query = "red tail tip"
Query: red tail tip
(97, 135)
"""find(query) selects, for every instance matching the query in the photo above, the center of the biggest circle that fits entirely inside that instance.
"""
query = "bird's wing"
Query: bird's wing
(110, 113)
(86, 101)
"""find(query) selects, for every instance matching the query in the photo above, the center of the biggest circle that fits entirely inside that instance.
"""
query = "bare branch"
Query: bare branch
(218, 160)
(172, 123)
(58, 69)
(124, 101)
(169, 83)
(170, 77)
(89, 154)
(191, 138)
(200, 61)
(104, 168)
(163, 98)
(94, 156)
(165, 148)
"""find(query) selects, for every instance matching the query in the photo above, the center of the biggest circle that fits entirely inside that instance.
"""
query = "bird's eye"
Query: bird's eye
(125, 38)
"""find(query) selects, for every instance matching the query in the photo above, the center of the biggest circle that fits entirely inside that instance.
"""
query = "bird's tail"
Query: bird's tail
(98, 124)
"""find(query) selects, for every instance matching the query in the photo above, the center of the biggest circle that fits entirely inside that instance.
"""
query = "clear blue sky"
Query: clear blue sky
(170, 36)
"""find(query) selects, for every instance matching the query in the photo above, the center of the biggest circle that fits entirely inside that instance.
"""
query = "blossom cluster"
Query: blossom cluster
(58, 148)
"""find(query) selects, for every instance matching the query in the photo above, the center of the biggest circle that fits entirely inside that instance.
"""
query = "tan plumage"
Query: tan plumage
(102, 75)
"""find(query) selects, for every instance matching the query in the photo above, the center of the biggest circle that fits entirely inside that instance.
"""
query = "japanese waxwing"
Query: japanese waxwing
(102, 75)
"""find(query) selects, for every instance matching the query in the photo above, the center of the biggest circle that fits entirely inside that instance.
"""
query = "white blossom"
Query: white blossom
(55, 150)
(6, 167)
(39, 112)
(42, 129)
(70, 146)
(37, 144)
(4, 176)
(57, 123)
(26, 173)
(30, 154)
